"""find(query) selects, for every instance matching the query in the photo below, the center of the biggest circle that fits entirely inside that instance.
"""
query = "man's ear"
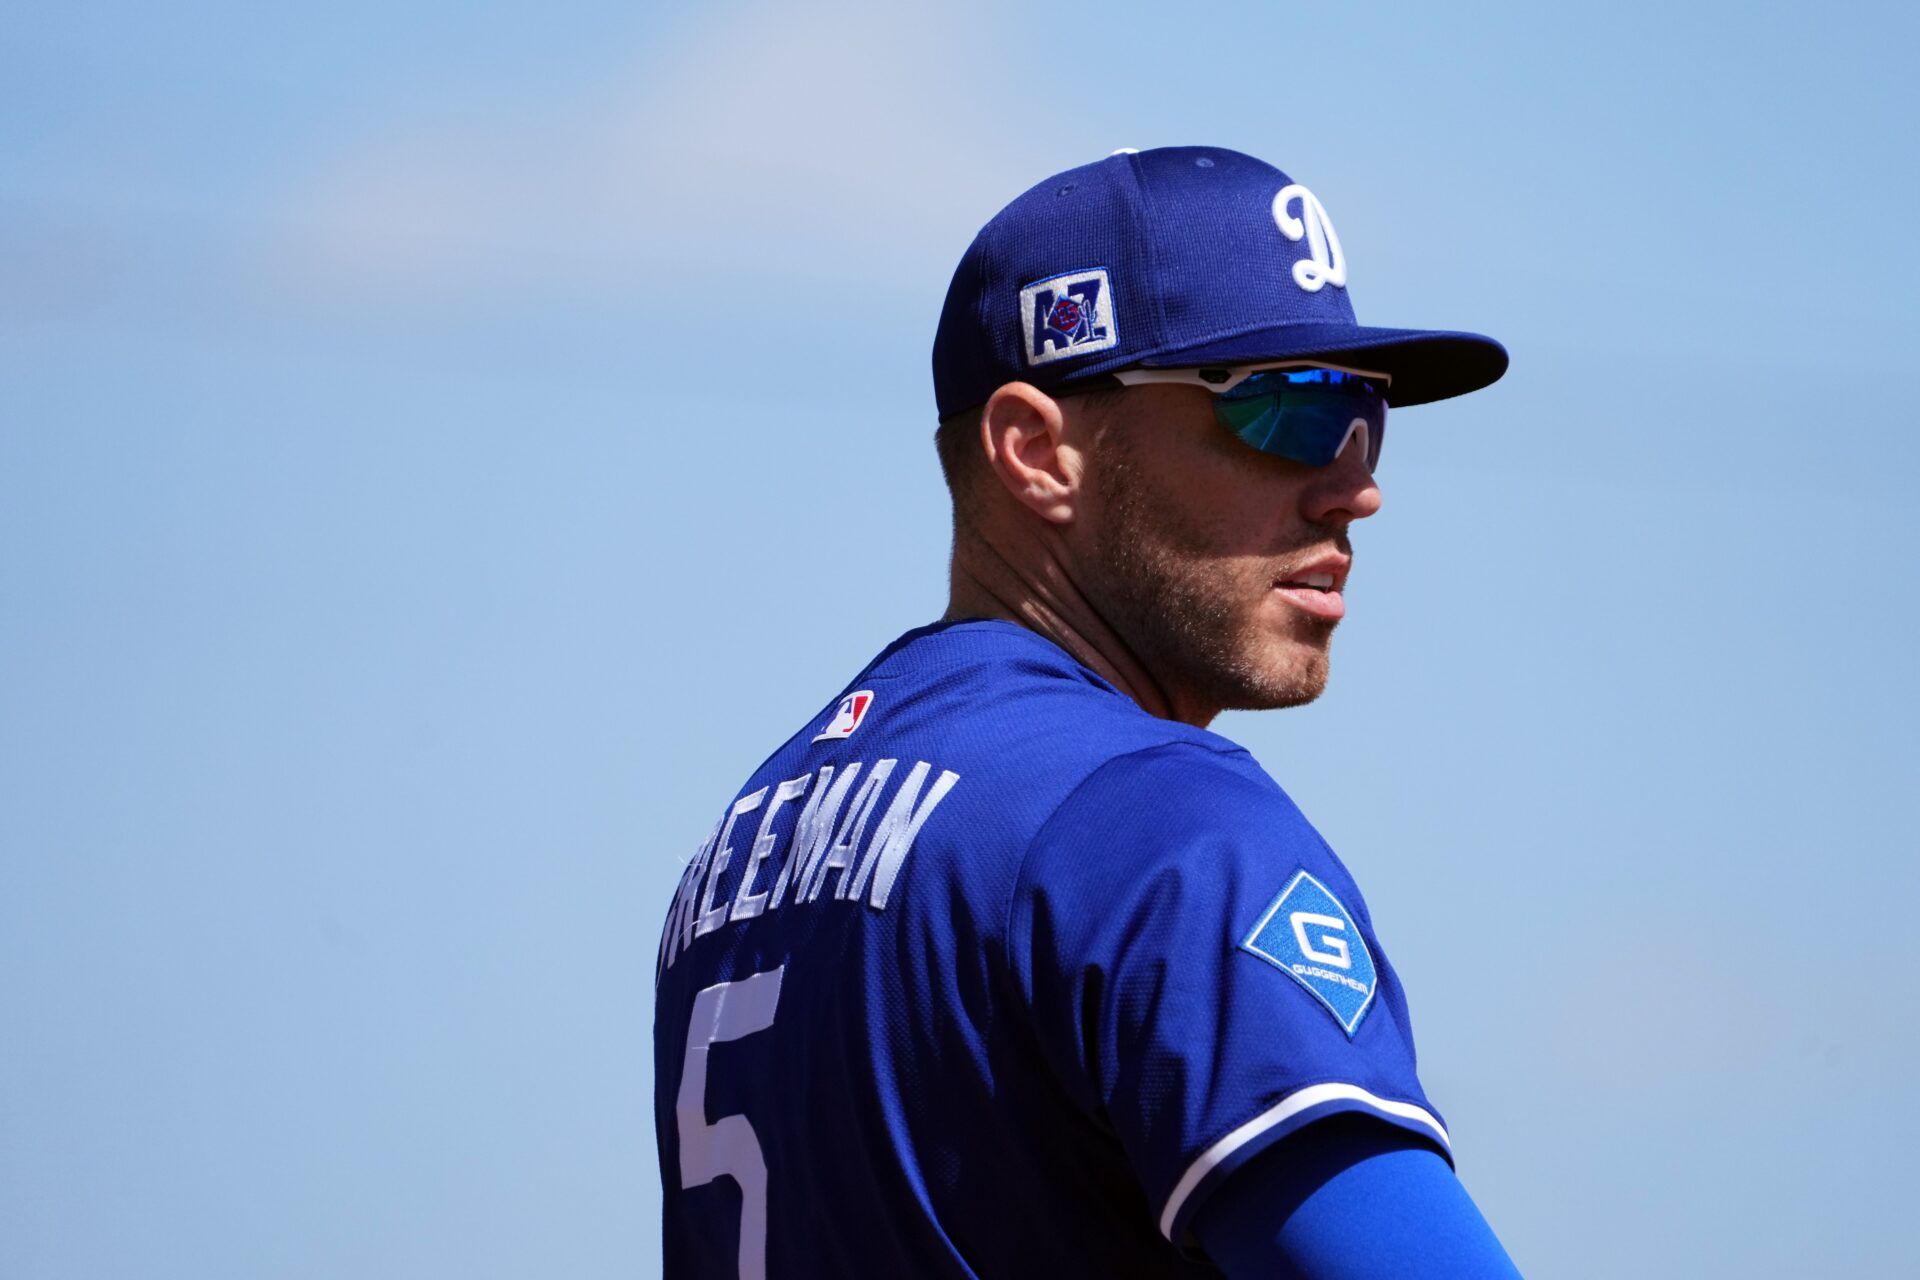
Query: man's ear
(1024, 434)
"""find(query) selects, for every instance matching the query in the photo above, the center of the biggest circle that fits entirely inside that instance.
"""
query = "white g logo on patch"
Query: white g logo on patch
(1327, 265)
(1336, 953)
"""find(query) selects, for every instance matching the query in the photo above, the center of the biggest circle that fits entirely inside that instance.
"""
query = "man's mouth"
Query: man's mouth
(1316, 588)
(1318, 581)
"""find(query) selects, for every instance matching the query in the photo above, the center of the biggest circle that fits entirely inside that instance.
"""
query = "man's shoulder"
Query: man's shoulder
(1182, 794)
(1067, 761)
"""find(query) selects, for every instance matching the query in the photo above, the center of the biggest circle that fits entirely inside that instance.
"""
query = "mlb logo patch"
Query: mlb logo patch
(1069, 315)
(847, 716)
(1308, 935)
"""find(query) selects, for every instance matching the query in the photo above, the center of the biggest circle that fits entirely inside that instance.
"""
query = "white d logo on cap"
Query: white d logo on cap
(1327, 265)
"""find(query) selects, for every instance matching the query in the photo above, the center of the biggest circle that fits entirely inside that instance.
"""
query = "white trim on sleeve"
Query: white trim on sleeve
(1286, 1109)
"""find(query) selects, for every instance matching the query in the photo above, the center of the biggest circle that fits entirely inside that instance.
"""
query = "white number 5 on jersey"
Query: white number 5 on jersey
(727, 1147)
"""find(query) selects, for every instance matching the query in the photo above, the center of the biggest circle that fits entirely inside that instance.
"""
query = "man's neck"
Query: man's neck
(985, 584)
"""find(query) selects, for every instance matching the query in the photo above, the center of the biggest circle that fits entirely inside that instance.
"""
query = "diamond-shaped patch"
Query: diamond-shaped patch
(1310, 937)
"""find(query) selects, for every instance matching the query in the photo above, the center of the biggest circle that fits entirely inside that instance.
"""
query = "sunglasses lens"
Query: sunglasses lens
(1307, 415)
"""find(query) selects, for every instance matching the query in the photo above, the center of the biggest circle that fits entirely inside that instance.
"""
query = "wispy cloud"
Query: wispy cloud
(840, 140)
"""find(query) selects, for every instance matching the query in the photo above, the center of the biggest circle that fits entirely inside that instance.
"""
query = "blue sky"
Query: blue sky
(427, 443)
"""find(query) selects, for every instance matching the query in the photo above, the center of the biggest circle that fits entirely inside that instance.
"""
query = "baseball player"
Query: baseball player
(1004, 965)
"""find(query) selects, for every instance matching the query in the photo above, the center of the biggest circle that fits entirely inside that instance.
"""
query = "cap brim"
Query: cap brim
(1425, 364)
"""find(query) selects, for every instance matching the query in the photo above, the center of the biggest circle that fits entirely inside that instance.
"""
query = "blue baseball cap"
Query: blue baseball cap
(1179, 257)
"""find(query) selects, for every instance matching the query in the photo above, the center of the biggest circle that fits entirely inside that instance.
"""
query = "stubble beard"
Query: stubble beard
(1189, 611)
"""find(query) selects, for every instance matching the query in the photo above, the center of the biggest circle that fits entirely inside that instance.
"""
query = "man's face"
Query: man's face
(1198, 549)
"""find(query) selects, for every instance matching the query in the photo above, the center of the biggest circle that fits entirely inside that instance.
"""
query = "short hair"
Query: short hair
(957, 440)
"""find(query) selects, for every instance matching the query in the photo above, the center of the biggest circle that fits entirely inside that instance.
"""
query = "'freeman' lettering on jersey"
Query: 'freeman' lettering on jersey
(821, 847)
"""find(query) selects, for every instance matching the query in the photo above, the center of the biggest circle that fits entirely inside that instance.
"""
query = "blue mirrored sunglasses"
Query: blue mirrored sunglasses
(1308, 413)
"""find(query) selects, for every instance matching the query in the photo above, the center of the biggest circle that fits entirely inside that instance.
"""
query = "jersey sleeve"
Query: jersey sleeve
(1312, 1206)
(1202, 974)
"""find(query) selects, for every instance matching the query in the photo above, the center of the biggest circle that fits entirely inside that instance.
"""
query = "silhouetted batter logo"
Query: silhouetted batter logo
(847, 716)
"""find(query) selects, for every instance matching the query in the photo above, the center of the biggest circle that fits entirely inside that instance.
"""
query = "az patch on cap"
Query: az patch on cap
(1068, 315)
(1308, 935)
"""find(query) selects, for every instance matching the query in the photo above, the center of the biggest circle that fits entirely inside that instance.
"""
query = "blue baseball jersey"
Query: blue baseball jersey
(989, 972)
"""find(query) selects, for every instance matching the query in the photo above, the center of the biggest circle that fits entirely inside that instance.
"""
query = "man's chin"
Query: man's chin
(1292, 694)
(1292, 679)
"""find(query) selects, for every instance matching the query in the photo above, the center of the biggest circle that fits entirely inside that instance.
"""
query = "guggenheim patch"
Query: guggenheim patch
(1308, 935)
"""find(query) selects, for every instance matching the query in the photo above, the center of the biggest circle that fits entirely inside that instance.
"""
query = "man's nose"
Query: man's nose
(1343, 490)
